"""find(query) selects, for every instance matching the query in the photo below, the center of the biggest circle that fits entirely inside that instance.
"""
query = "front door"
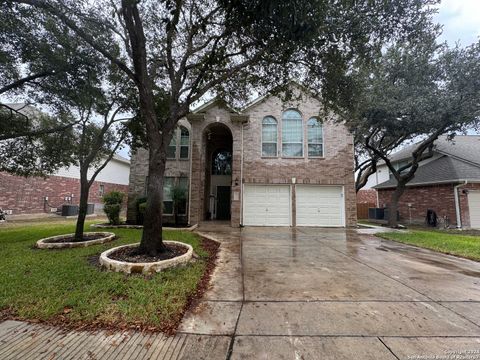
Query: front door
(223, 203)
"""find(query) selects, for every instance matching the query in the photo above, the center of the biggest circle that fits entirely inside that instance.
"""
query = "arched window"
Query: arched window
(315, 137)
(222, 162)
(184, 142)
(269, 136)
(292, 134)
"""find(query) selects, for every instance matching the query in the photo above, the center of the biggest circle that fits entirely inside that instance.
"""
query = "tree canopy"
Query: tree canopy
(413, 92)
(189, 50)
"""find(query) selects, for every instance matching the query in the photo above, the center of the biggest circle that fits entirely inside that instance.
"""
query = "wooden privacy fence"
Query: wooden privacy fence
(362, 210)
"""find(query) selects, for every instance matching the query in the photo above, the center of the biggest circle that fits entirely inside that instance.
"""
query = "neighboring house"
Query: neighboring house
(448, 183)
(271, 164)
(37, 195)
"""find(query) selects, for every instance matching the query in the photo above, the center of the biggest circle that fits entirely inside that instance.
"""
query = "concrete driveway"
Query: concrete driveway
(309, 293)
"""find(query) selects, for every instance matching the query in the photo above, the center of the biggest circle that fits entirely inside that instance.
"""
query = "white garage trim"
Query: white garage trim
(320, 205)
(474, 209)
(267, 205)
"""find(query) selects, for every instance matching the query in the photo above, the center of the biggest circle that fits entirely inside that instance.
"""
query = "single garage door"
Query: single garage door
(266, 205)
(474, 209)
(320, 205)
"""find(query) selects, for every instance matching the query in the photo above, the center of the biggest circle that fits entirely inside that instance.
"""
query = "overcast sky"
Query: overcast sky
(460, 20)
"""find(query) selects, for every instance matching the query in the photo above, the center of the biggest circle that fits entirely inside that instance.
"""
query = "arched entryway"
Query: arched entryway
(218, 172)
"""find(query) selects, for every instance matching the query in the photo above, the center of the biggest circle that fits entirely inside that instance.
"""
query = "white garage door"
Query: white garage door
(320, 205)
(266, 205)
(474, 209)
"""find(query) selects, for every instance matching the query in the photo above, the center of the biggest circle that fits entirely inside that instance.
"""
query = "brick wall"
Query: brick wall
(367, 196)
(439, 198)
(26, 195)
(334, 168)
(139, 171)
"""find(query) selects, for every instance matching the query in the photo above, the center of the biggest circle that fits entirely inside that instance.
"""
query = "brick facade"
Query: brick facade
(248, 165)
(26, 195)
(439, 198)
(367, 196)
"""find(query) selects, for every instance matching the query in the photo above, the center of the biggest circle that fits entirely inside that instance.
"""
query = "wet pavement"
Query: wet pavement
(304, 293)
(310, 293)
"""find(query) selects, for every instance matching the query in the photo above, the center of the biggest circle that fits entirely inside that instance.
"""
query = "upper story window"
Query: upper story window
(269, 136)
(184, 142)
(222, 162)
(292, 134)
(172, 147)
(183, 135)
(315, 137)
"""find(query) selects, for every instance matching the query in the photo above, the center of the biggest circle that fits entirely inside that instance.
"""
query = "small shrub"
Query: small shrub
(113, 197)
(113, 205)
(113, 213)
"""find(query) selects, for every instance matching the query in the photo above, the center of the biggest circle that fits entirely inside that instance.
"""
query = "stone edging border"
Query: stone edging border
(46, 243)
(144, 268)
(125, 226)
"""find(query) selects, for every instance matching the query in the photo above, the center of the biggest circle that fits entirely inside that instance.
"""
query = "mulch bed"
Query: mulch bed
(68, 239)
(131, 254)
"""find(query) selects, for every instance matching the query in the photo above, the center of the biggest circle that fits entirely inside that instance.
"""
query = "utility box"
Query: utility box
(376, 213)
(69, 210)
(386, 214)
(90, 209)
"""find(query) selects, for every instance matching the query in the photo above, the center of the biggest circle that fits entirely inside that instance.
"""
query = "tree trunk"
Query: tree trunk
(82, 207)
(393, 206)
(152, 243)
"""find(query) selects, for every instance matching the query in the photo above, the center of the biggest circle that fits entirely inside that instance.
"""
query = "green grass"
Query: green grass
(449, 243)
(61, 285)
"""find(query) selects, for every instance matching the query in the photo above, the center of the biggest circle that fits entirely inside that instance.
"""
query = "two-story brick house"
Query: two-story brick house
(274, 163)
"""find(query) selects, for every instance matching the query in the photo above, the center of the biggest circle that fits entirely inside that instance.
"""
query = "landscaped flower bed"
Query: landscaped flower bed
(68, 240)
(127, 259)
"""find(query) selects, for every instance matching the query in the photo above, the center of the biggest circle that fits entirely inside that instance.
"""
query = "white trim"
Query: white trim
(429, 183)
(457, 204)
(261, 139)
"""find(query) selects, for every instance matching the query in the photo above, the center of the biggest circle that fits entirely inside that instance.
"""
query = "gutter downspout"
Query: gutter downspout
(241, 178)
(457, 204)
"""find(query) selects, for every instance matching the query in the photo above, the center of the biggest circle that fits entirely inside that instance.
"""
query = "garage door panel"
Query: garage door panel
(474, 209)
(319, 205)
(266, 205)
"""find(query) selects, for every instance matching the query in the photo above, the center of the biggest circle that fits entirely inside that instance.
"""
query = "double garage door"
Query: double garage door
(271, 205)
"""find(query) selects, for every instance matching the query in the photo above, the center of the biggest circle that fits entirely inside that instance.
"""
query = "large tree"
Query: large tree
(41, 63)
(412, 93)
(190, 49)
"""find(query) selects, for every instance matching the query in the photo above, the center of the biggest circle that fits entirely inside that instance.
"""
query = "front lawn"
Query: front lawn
(446, 242)
(66, 286)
